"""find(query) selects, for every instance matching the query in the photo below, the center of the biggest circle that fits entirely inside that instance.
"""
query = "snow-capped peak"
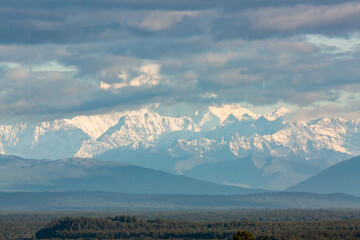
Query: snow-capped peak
(216, 115)
(238, 111)
(95, 125)
(282, 111)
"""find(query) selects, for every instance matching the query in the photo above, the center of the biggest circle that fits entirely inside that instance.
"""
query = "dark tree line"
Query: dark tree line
(129, 227)
(186, 224)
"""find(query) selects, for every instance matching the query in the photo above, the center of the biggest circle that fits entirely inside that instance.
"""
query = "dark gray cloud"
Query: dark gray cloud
(336, 19)
(91, 21)
(116, 54)
(179, 5)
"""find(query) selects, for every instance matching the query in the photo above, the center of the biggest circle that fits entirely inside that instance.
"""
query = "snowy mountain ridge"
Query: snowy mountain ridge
(223, 134)
(243, 131)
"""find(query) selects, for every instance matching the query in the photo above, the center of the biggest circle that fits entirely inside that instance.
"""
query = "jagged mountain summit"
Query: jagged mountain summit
(282, 111)
(216, 115)
(225, 138)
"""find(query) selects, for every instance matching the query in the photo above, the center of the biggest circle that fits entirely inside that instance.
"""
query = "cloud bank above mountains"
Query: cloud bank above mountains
(64, 58)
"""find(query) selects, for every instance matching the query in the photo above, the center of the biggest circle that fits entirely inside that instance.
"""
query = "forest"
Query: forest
(186, 224)
(129, 227)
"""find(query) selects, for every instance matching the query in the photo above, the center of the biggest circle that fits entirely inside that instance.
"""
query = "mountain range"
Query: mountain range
(226, 144)
(343, 177)
(74, 174)
(83, 200)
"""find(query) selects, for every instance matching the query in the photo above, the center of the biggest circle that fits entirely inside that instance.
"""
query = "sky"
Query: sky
(64, 58)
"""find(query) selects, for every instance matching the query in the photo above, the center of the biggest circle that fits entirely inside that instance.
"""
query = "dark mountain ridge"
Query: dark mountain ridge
(111, 200)
(77, 174)
(343, 177)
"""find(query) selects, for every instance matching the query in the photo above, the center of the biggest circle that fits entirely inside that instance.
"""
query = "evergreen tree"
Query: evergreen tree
(243, 235)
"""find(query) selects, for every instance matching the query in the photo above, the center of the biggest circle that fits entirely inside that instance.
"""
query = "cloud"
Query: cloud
(156, 21)
(83, 22)
(264, 22)
(17, 74)
(71, 57)
(329, 111)
(148, 75)
(53, 66)
(335, 45)
(235, 78)
(28, 91)
(303, 17)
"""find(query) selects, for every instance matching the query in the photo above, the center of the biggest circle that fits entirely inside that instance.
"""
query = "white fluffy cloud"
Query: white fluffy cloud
(335, 44)
(148, 75)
